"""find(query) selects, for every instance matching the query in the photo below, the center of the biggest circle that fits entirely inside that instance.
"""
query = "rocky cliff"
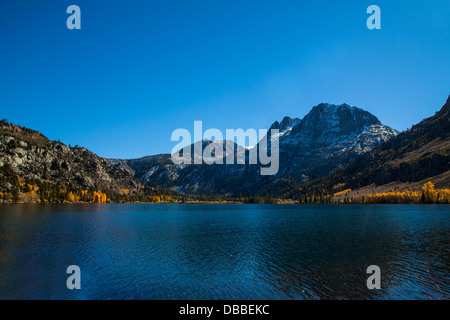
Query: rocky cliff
(29, 155)
(328, 137)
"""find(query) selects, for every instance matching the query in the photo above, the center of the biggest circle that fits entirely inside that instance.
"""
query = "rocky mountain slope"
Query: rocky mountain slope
(29, 155)
(333, 148)
(328, 137)
(419, 154)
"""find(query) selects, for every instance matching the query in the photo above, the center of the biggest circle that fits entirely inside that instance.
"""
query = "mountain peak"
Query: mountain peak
(285, 125)
(343, 111)
(336, 120)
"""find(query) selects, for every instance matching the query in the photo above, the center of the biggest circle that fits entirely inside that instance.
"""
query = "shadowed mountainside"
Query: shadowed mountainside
(333, 148)
(26, 154)
(328, 137)
(419, 154)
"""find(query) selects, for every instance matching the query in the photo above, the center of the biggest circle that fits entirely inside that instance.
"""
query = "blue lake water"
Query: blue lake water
(212, 251)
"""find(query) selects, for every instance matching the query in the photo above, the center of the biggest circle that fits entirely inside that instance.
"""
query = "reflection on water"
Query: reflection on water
(208, 251)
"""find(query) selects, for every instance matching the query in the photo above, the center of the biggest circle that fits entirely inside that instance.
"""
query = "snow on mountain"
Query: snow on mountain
(328, 137)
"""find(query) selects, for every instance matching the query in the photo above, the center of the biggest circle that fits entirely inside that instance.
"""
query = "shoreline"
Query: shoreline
(212, 202)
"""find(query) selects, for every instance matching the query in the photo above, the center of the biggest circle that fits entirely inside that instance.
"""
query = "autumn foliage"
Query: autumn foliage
(428, 195)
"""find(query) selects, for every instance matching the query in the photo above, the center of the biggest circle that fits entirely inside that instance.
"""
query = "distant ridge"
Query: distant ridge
(416, 154)
(405, 162)
(332, 148)
(328, 137)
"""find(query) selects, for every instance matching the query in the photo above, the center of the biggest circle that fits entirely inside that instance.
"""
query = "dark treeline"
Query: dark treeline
(14, 189)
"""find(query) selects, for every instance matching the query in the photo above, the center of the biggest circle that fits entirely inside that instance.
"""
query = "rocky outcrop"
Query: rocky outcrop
(30, 155)
(416, 154)
(328, 137)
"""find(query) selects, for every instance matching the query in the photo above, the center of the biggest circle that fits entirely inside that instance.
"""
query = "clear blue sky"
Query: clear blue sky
(140, 69)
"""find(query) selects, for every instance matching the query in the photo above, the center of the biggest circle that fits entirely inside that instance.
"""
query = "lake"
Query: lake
(224, 251)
